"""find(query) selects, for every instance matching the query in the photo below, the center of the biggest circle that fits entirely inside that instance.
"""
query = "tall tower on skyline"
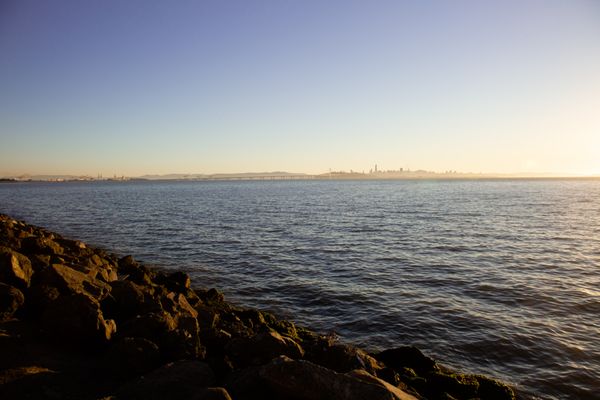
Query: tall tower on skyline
(375, 168)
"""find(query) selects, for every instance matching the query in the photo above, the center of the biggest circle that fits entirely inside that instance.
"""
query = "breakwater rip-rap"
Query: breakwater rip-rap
(79, 322)
(490, 277)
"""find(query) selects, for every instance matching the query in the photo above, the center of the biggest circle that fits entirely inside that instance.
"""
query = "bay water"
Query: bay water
(499, 277)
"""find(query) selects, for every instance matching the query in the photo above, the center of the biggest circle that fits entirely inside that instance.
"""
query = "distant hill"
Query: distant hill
(240, 175)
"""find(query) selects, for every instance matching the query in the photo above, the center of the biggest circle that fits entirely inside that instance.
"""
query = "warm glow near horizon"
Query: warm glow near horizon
(206, 87)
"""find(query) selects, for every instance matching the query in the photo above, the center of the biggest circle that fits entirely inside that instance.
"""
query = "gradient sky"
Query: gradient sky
(136, 87)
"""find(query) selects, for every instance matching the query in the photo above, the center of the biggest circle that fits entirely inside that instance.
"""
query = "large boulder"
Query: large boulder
(211, 296)
(134, 271)
(154, 326)
(128, 299)
(131, 357)
(178, 281)
(40, 262)
(15, 268)
(74, 247)
(407, 357)
(40, 245)
(343, 358)
(11, 299)
(208, 317)
(303, 380)
(366, 377)
(178, 380)
(39, 296)
(184, 341)
(262, 348)
(105, 272)
(77, 319)
(457, 385)
(176, 338)
(177, 305)
(491, 389)
(69, 281)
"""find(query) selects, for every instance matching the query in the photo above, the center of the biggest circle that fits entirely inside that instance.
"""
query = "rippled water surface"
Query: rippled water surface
(494, 277)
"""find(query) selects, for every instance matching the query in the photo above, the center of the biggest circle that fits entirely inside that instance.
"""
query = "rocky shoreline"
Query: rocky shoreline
(77, 322)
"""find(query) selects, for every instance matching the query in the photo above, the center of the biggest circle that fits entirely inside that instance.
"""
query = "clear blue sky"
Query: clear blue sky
(135, 87)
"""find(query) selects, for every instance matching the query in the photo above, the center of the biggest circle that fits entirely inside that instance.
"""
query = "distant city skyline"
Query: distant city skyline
(137, 87)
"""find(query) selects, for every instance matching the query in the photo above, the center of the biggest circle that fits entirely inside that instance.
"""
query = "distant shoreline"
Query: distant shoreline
(311, 178)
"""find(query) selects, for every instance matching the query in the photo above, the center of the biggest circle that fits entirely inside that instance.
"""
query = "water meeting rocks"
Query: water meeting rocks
(77, 322)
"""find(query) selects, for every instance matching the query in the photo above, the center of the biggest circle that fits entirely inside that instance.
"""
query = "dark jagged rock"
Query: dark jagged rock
(134, 271)
(208, 317)
(130, 357)
(184, 342)
(262, 348)
(11, 299)
(39, 296)
(492, 389)
(176, 338)
(178, 281)
(179, 380)
(15, 268)
(177, 305)
(96, 268)
(78, 319)
(69, 281)
(247, 384)
(40, 262)
(343, 358)
(128, 299)
(397, 390)
(290, 379)
(154, 326)
(457, 386)
(407, 357)
(40, 245)
(210, 296)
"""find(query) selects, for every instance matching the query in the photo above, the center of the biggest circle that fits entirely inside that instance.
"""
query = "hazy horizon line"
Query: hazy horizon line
(183, 175)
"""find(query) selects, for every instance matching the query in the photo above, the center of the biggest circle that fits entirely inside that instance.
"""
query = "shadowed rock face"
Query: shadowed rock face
(178, 380)
(77, 322)
(11, 299)
(300, 379)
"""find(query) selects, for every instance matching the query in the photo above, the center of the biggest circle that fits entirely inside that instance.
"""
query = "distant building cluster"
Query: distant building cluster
(63, 178)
